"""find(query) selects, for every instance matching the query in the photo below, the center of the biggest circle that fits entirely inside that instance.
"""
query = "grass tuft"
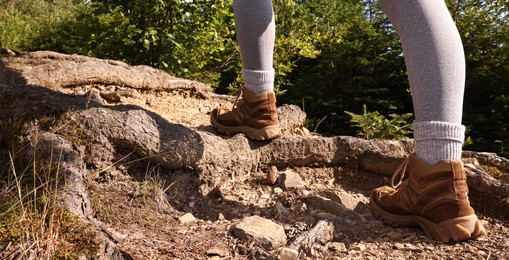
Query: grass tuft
(33, 222)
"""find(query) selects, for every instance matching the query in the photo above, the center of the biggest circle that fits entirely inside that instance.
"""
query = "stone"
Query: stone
(290, 116)
(259, 253)
(344, 199)
(117, 237)
(272, 175)
(278, 190)
(359, 247)
(214, 251)
(337, 246)
(187, 218)
(288, 254)
(281, 211)
(220, 216)
(264, 232)
(230, 198)
(371, 246)
(265, 196)
(398, 246)
(302, 131)
(290, 180)
(332, 207)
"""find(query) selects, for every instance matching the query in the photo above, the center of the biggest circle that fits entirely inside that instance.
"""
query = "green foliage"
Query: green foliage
(359, 62)
(183, 37)
(484, 28)
(373, 125)
(24, 21)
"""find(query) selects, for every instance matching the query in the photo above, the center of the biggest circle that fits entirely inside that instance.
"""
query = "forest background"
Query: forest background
(337, 59)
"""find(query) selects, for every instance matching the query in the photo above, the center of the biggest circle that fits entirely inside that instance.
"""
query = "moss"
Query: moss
(78, 238)
(493, 171)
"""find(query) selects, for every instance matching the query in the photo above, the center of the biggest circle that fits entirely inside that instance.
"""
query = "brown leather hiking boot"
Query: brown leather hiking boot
(255, 116)
(433, 197)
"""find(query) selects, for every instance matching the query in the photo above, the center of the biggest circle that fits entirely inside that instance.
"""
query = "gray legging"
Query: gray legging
(433, 55)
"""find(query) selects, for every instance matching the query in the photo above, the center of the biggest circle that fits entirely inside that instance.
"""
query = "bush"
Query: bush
(24, 23)
(373, 125)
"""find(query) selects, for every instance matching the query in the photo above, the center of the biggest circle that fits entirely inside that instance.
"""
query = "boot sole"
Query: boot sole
(266, 133)
(456, 229)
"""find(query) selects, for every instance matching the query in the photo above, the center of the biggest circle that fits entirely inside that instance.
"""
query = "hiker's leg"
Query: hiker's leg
(256, 31)
(435, 64)
(434, 196)
(256, 115)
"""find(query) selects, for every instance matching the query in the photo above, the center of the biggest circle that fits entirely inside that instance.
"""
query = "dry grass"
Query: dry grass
(33, 223)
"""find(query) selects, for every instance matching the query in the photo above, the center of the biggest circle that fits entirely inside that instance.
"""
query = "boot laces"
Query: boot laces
(400, 174)
(239, 96)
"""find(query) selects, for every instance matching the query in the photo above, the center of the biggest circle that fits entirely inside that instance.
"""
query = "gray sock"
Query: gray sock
(436, 141)
(258, 81)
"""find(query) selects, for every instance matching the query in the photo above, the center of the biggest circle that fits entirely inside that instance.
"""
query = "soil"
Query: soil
(139, 204)
(152, 230)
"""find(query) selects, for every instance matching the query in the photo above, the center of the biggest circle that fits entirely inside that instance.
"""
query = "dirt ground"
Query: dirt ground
(146, 225)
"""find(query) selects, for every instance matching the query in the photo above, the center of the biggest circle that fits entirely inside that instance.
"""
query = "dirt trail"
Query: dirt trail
(142, 207)
(153, 232)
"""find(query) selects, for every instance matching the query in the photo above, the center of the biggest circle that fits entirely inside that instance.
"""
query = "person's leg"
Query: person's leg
(435, 194)
(435, 64)
(256, 32)
(256, 115)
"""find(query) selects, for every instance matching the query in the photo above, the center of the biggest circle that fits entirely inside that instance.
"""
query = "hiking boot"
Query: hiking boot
(433, 197)
(255, 116)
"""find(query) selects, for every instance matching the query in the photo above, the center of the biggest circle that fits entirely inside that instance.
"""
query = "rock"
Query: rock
(278, 190)
(265, 196)
(220, 216)
(260, 254)
(359, 247)
(290, 180)
(344, 199)
(371, 246)
(290, 116)
(264, 232)
(7, 52)
(323, 231)
(214, 251)
(272, 175)
(481, 254)
(117, 237)
(280, 210)
(302, 131)
(230, 198)
(111, 96)
(398, 246)
(332, 207)
(337, 246)
(187, 218)
(288, 254)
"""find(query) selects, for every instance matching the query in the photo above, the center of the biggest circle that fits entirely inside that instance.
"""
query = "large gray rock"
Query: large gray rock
(264, 232)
